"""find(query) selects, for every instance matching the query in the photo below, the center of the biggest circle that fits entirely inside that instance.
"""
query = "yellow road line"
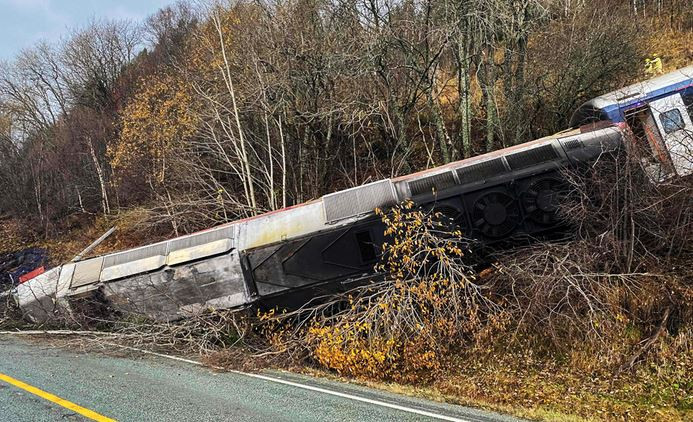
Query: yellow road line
(55, 399)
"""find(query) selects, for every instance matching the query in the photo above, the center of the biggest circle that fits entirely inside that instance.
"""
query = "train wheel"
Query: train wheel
(495, 214)
(541, 200)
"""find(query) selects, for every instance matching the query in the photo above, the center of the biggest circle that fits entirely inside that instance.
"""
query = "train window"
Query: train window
(688, 102)
(671, 121)
(366, 246)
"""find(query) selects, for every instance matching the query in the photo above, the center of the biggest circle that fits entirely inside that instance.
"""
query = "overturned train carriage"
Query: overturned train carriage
(288, 256)
(291, 255)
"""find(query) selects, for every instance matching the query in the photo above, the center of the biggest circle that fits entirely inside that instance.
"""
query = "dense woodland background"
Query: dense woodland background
(212, 111)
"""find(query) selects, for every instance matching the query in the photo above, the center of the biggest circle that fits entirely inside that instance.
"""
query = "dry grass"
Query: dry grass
(13, 235)
(134, 229)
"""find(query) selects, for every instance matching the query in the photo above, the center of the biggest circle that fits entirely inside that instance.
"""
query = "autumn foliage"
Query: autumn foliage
(202, 115)
(608, 309)
(156, 123)
(207, 113)
(425, 305)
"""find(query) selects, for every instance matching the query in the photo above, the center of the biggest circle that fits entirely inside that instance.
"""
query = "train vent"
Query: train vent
(360, 200)
(87, 272)
(158, 249)
(200, 238)
(437, 182)
(572, 144)
(480, 171)
(531, 157)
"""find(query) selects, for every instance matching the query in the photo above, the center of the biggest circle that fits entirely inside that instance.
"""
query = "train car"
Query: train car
(659, 111)
(286, 257)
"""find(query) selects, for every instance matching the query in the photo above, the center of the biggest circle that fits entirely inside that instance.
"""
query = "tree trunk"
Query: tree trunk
(283, 150)
(438, 121)
(488, 88)
(102, 182)
(464, 105)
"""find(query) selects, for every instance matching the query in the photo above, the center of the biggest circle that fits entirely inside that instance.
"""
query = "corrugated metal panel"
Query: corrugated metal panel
(571, 144)
(437, 182)
(359, 200)
(480, 171)
(532, 157)
(157, 249)
(87, 272)
(199, 251)
(198, 239)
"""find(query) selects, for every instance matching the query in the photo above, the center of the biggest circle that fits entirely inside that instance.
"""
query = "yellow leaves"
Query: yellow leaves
(405, 330)
(154, 124)
(266, 316)
(343, 349)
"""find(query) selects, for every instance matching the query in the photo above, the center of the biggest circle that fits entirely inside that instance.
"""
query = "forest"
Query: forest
(210, 112)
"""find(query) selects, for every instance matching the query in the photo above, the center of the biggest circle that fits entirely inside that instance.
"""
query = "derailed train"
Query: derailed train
(322, 246)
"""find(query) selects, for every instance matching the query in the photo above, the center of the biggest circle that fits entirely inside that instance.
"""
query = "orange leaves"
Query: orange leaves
(156, 122)
(406, 327)
(344, 349)
(407, 324)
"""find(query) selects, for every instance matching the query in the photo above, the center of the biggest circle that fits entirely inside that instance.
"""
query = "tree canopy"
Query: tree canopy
(226, 109)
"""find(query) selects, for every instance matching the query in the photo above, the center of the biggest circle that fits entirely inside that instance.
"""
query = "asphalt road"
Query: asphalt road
(150, 388)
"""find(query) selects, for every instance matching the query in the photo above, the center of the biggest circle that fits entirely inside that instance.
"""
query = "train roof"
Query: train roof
(490, 155)
(334, 210)
(609, 106)
(380, 188)
(655, 87)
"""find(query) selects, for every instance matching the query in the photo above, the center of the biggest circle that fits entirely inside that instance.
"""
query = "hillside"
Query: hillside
(212, 112)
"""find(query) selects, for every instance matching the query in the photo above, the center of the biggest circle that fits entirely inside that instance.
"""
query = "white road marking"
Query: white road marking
(281, 381)
(308, 387)
(356, 398)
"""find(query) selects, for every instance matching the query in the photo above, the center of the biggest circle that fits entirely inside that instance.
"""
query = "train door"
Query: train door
(649, 144)
(676, 129)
